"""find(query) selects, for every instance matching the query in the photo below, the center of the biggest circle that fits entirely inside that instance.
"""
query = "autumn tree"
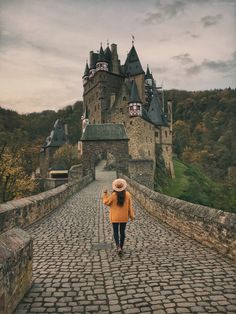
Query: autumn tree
(66, 156)
(14, 181)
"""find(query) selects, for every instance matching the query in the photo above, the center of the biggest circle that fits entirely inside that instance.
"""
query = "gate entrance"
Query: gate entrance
(99, 140)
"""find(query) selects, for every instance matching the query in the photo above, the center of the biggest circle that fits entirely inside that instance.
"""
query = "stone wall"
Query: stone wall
(25, 211)
(16, 252)
(142, 171)
(212, 227)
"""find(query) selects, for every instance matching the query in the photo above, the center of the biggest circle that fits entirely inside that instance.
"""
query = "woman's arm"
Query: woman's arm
(107, 199)
(131, 209)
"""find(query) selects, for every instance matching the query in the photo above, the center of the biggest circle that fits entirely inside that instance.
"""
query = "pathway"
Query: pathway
(76, 268)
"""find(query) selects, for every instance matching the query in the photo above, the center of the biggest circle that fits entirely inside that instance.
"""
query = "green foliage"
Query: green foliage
(22, 137)
(161, 176)
(193, 185)
(204, 129)
(65, 157)
(14, 180)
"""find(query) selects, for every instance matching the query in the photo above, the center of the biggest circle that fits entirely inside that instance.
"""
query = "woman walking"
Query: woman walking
(121, 210)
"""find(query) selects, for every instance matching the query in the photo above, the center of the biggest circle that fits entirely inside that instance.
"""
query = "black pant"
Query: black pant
(119, 239)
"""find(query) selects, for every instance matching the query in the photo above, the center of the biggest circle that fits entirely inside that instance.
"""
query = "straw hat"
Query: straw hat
(119, 185)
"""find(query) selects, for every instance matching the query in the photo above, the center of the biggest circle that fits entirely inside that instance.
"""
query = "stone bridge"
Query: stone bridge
(77, 270)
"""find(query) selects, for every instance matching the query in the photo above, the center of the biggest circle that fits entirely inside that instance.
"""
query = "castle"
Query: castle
(116, 93)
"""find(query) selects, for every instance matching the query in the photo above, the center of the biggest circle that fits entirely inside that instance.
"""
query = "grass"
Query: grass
(193, 185)
(180, 183)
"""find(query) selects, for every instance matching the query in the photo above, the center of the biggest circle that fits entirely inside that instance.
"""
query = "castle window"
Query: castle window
(156, 134)
(124, 98)
(149, 153)
(94, 121)
(131, 122)
(166, 133)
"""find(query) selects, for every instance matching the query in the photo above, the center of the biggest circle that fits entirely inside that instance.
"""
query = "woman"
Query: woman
(120, 210)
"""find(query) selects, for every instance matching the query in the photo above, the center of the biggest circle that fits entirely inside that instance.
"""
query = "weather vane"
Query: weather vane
(132, 39)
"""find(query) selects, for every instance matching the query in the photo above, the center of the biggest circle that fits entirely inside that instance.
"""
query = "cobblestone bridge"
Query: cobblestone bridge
(76, 268)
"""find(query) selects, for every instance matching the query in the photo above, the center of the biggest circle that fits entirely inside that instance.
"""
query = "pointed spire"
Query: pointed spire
(134, 97)
(135, 104)
(155, 112)
(132, 63)
(148, 74)
(86, 71)
(101, 56)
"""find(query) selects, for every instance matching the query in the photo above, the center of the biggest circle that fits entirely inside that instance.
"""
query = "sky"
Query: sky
(44, 44)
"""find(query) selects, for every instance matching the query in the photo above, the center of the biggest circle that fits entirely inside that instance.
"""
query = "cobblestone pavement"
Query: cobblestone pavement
(76, 268)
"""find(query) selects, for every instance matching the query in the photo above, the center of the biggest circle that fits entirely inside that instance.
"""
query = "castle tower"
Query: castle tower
(115, 93)
(133, 70)
(86, 74)
(101, 64)
(56, 139)
(135, 104)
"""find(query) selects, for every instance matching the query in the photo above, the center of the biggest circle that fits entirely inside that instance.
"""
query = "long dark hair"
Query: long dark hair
(120, 198)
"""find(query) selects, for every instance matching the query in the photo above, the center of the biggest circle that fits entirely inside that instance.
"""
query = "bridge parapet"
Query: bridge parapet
(212, 227)
(16, 245)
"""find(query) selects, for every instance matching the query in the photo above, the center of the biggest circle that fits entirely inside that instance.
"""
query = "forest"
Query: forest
(204, 145)
(204, 132)
(21, 137)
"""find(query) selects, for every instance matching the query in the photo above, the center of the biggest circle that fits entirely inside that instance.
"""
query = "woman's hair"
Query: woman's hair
(120, 198)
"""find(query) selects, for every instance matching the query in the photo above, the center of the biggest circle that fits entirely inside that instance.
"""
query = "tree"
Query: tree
(65, 157)
(14, 181)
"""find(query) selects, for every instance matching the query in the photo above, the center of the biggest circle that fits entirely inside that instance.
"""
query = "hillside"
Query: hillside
(204, 129)
(21, 137)
(204, 144)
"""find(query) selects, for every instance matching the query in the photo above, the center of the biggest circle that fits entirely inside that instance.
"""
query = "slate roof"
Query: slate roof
(155, 112)
(106, 131)
(57, 136)
(134, 97)
(86, 71)
(132, 63)
(101, 56)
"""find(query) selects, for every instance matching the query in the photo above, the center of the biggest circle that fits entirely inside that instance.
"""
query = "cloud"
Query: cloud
(220, 66)
(183, 58)
(210, 20)
(165, 10)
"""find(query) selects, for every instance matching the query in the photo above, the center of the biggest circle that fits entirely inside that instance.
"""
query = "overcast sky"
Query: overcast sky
(188, 44)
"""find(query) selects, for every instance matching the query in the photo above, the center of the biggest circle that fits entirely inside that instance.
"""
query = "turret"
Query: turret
(149, 86)
(86, 74)
(148, 77)
(107, 53)
(135, 104)
(115, 60)
(102, 64)
(92, 67)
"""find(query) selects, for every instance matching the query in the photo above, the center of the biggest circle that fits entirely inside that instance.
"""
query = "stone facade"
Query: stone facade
(212, 227)
(16, 255)
(108, 96)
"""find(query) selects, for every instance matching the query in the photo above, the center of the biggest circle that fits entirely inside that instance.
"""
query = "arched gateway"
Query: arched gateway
(100, 139)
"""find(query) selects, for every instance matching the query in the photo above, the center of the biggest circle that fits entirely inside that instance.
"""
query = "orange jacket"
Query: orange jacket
(117, 213)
